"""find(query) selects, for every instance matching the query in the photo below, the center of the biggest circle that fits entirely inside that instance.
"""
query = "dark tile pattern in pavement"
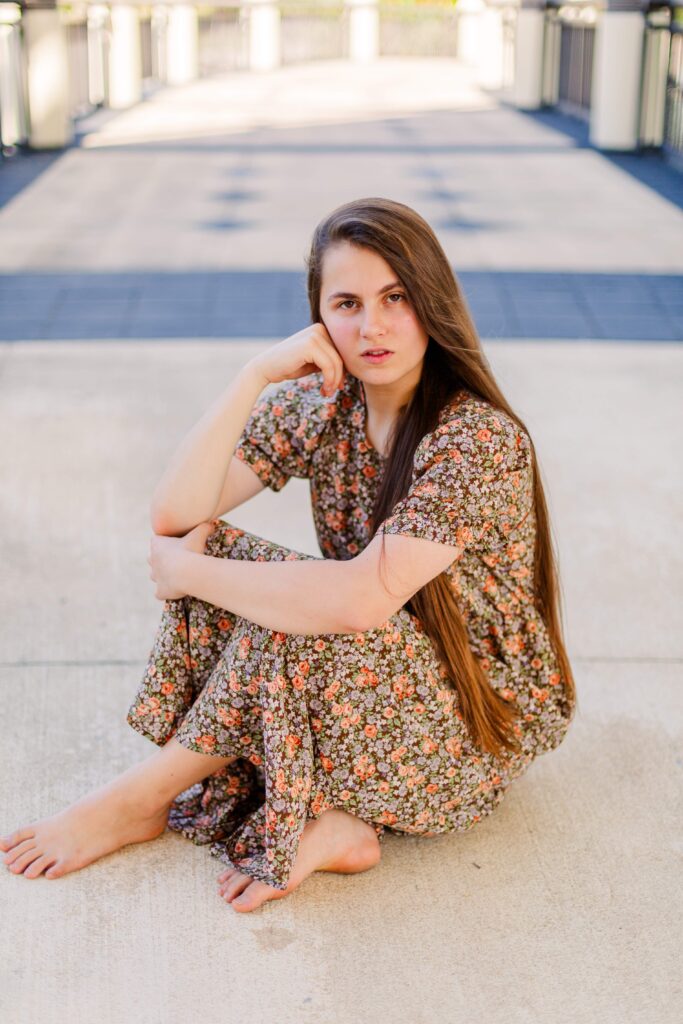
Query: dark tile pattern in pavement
(262, 304)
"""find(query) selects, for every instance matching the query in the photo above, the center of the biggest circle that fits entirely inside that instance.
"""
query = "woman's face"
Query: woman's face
(372, 312)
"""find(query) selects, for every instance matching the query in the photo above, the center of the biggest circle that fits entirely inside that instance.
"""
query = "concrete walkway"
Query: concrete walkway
(563, 906)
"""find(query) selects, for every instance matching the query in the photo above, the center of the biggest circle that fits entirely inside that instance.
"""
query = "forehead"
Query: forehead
(345, 264)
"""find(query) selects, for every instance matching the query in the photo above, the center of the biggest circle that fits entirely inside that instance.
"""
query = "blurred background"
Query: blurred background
(163, 168)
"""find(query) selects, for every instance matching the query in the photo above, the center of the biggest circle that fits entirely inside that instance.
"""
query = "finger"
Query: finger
(338, 368)
(328, 368)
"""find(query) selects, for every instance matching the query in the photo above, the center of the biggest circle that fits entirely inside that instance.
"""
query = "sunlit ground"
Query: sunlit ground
(315, 93)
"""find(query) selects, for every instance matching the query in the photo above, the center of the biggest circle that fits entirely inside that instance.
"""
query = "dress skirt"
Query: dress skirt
(364, 722)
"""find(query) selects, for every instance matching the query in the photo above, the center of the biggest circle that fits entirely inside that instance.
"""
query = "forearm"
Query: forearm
(189, 490)
(304, 596)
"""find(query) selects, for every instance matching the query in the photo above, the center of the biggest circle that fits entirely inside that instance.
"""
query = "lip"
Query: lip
(376, 359)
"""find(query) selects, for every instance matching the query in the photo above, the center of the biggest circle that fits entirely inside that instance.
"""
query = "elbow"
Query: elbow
(160, 522)
(166, 525)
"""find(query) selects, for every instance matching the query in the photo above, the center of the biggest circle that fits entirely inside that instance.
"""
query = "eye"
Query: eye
(393, 296)
(342, 304)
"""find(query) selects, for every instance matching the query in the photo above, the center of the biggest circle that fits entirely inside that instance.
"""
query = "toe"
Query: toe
(16, 851)
(235, 885)
(247, 900)
(24, 860)
(225, 875)
(38, 866)
(7, 842)
(56, 871)
(254, 895)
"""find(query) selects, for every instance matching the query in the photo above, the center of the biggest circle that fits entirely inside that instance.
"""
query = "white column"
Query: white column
(125, 58)
(489, 73)
(527, 88)
(182, 44)
(13, 112)
(363, 31)
(264, 35)
(98, 27)
(47, 79)
(469, 30)
(617, 64)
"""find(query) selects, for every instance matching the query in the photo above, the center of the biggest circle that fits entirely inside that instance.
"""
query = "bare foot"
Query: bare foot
(336, 841)
(97, 824)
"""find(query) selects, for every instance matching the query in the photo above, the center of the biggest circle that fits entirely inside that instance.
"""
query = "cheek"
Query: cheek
(342, 333)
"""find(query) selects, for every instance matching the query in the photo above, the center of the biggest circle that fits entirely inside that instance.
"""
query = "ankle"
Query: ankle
(140, 798)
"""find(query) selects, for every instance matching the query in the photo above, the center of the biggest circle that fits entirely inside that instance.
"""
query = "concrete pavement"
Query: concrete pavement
(563, 906)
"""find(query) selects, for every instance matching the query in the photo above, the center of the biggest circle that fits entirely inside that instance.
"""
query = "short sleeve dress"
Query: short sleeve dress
(367, 722)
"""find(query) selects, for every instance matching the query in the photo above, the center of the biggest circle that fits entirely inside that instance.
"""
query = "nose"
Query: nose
(372, 326)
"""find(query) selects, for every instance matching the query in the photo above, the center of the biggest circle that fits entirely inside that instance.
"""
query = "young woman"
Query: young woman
(304, 705)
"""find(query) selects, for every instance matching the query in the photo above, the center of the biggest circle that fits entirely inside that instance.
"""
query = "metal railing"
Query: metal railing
(661, 113)
(568, 56)
(673, 121)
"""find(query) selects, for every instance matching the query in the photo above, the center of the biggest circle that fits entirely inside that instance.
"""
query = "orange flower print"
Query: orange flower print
(514, 643)
(332, 689)
(363, 768)
(370, 731)
(453, 746)
(490, 586)
(167, 688)
(292, 743)
(342, 451)
(366, 678)
(281, 444)
(207, 743)
(335, 520)
(231, 718)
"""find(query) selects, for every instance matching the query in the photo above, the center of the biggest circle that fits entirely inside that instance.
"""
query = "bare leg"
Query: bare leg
(132, 808)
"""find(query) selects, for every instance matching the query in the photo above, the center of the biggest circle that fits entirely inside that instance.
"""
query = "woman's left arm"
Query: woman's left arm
(303, 596)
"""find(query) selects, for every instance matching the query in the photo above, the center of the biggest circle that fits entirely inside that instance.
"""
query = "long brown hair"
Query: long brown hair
(453, 360)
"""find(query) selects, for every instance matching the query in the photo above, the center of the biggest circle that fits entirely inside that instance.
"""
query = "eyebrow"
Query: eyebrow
(350, 295)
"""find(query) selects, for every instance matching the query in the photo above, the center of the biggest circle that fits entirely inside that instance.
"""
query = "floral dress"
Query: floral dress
(366, 722)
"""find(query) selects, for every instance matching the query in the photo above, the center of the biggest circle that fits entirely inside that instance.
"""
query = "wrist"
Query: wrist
(183, 569)
(252, 372)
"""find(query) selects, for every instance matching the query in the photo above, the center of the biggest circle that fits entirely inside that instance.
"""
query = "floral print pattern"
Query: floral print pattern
(366, 722)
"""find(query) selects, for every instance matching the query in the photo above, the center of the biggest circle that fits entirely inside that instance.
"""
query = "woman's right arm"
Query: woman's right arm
(190, 489)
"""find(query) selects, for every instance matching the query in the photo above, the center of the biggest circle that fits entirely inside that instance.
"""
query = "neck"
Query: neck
(383, 401)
